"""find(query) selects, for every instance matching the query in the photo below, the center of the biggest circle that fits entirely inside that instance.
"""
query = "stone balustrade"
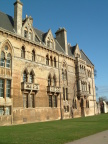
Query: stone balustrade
(29, 86)
(53, 89)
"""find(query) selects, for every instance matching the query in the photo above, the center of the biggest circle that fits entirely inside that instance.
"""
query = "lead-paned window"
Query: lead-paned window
(64, 94)
(32, 101)
(8, 111)
(23, 52)
(8, 88)
(33, 55)
(54, 101)
(24, 76)
(8, 61)
(1, 110)
(50, 101)
(1, 88)
(2, 61)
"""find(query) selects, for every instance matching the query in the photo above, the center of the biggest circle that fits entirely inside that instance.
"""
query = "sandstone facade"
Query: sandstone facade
(41, 77)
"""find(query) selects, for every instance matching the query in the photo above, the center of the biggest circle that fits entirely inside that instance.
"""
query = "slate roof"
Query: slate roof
(7, 23)
(84, 57)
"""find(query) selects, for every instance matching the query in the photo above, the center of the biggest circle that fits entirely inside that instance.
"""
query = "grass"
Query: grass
(54, 132)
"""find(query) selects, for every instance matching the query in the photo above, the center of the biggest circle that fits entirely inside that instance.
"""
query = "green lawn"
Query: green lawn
(55, 132)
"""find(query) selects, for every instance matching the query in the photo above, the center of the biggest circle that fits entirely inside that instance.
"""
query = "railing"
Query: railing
(29, 86)
(53, 89)
(83, 93)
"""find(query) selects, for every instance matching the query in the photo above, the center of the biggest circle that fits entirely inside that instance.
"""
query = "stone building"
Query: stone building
(41, 77)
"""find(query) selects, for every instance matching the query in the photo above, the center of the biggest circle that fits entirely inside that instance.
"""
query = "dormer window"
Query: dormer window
(48, 43)
(25, 32)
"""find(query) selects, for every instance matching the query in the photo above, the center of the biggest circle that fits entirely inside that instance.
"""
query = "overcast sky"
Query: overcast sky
(86, 22)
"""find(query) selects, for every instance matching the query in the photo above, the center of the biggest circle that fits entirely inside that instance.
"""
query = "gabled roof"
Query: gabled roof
(84, 57)
(6, 22)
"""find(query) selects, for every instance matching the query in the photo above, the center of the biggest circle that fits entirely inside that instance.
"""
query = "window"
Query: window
(25, 33)
(54, 81)
(8, 88)
(1, 110)
(33, 55)
(23, 52)
(32, 101)
(66, 108)
(8, 61)
(1, 88)
(50, 101)
(54, 62)
(25, 101)
(8, 111)
(87, 104)
(48, 43)
(31, 78)
(2, 62)
(53, 101)
(30, 35)
(64, 94)
(24, 76)
(51, 61)
(49, 80)
(47, 60)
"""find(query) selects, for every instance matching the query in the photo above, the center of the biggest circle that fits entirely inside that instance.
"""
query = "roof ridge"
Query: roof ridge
(87, 57)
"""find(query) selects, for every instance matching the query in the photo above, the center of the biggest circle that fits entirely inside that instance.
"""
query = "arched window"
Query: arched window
(8, 61)
(49, 80)
(65, 75)
(62, 74)
(31, 77)
(25, 32)
(30, 34)
(23, 52)
(33, 55)
(47, 60)
(48, 43)
(24, 76)
(51, 61)
(54, 62)
(54, 80)
(2, 63)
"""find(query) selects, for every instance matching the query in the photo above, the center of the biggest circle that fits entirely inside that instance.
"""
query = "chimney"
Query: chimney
(18, 16)
(61, 36)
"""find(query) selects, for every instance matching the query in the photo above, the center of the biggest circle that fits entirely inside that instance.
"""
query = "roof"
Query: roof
(6, 22)
(84, 57)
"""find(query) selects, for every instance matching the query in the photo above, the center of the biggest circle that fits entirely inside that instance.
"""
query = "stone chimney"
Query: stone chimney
(61, 36)
(18, 16)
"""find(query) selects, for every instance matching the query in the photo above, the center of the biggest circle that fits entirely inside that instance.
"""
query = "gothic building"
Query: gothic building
(41, 77)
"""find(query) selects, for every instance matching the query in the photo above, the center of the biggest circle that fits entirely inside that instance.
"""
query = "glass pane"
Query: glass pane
(1, 111)
(8, 88)
(1, 88)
